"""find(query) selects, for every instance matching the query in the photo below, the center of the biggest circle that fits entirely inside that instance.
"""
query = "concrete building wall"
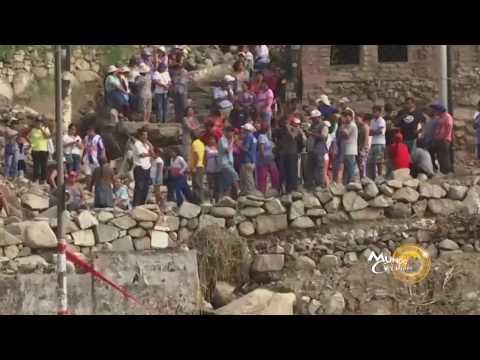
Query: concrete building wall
(371, 82)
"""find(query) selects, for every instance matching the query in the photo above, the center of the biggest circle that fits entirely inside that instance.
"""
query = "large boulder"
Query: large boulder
(406, 194)
(303, 222)
(86, 220)
(471, 204)
(30, 263)
(141, 213)
(333, 205)
(353, 202)
(7, 239)
(159, 240)
(34, 201)
(223, 294)
(106, 233)
(84, 238)
(337, 189)
(275, 207)
(297, 209)
(21, 81)
(85, 76)
(246, 228)
(324, 195)
(207, 220)
(399, 210)
(168, 223)
(39, 235)
(123, 244)
(457, 192)
(381, 202)
(189, 210)
(223, 212)
(260, 302)
(268, 262)
(6, 92)
(367, 215)
(267, 224)
(444, 207)
(251, 211)
(311, 201)
(386, 190)
(370, 190)
(124, 222)
(431, 191)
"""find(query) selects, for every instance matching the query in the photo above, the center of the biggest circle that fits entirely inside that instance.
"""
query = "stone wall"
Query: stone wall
(166, 283)
(28, 246)
(88, 62)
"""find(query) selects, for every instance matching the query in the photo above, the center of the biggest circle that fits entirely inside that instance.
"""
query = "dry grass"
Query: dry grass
(220, 258)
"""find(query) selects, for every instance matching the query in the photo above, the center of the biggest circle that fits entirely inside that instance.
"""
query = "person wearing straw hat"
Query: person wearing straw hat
(143, 83)
(325, 106)
(161, 57)
(112, 87)
(248, 148)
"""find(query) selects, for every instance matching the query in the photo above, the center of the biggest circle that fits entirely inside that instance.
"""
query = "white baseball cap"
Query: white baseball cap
(248, 127)
(315, 113)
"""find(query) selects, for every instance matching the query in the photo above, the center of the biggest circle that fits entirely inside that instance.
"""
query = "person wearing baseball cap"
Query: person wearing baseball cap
(289, 141)
(316, 150)
(248, 159)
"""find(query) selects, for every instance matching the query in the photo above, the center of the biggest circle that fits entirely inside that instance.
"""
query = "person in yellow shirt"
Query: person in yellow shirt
(197, 165)
(39, 136)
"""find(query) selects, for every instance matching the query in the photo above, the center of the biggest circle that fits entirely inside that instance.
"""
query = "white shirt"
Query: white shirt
(140, 148)
(375, 125)
(72, 149)
(180, 164)
(220, 93)
(263, 54)
(164, 79)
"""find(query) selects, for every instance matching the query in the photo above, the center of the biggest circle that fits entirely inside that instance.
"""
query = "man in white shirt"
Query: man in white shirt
(142, 154)
(162, 81)
(73, 146)
(377, 150)
(262, 57)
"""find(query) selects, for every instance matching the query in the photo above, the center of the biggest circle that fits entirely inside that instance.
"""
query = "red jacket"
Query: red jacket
(400, 156)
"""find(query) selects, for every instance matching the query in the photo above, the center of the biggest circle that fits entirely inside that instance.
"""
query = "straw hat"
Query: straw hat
(324, 99)
(112, 69)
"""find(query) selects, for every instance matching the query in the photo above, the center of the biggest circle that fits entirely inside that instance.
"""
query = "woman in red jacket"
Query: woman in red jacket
(399, 153)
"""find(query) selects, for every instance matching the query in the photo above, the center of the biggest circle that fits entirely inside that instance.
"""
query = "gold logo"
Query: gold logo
(414, 264)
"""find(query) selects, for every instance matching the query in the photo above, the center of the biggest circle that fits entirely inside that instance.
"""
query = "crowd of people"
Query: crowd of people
(247, 145)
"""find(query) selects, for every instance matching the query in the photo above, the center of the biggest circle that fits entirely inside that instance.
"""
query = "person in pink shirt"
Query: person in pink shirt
(263, 104)
(442, 138)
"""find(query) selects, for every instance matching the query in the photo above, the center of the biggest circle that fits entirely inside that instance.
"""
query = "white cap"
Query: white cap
(229, 78)
(315, 113)
(248, 127)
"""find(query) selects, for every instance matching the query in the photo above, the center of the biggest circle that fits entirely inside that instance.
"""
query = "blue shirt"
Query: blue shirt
(326, 111)
(249, 155)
